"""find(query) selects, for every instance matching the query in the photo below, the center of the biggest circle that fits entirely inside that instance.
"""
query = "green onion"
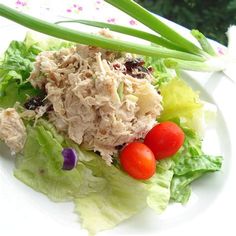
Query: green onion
(129, 31)
(120, 90)
(92, 39)
(206, 46)
(214, 64)
(152, 22)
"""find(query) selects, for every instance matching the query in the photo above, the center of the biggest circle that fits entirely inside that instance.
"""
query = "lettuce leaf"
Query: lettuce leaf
(182, 103)
(180, 187)
(41, 42)
(122, 197)
(159, 186)
(17, 64)
(190, 163)
(40, 168)
(15, 68)
(161, 74)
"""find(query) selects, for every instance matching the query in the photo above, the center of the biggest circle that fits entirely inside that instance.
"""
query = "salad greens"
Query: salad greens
(16, 65)
(15, 68)
(190, 163)
(40, 168)
(181, 102)
(159, 186)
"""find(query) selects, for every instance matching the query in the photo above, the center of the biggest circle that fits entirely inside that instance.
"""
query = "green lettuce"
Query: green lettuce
(190, 163)
(182, 103)
(40, 167)
(41, 43)
(159, 186)
(15, 68)
(160, 73)
(122, 197)
(17, 64)
(103, 195)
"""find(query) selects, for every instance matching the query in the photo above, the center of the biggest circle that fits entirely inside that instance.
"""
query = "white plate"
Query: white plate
(26, 212)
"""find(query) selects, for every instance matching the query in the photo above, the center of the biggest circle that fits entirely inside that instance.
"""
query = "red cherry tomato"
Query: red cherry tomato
(164, 139)
(138, 160)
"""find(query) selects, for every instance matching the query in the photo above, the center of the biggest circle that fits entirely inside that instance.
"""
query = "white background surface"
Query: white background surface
(212, 206)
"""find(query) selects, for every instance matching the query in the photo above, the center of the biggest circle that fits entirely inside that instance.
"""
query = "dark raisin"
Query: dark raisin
(34, 102)
(50, 108)
(150, 69)
(136, 64)
(131, 64)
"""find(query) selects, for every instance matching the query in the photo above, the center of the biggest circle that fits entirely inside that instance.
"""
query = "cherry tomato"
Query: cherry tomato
(138, 160)
(164, 139)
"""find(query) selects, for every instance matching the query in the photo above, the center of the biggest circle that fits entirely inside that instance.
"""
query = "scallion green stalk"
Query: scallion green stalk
(129, 31)
(152, 22)
(213, 64)
(206, 46)
(92, 39)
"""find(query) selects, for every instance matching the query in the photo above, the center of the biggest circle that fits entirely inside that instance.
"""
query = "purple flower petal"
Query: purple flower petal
(70, 158)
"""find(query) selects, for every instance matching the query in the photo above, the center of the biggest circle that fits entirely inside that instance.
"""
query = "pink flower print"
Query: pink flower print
(220, 51)
(75, 8)
(132, 22)
(111, 20)
(98, 4)
(20, 4)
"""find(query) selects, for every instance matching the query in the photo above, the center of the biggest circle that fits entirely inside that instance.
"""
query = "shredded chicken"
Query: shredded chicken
(94, 101)
(12, 129)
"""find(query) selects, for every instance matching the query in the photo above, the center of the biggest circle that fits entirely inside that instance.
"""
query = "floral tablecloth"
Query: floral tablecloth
(83, 9)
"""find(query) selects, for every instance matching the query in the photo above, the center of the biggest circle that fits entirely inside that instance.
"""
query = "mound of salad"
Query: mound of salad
(105, 123)
(111, 131)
